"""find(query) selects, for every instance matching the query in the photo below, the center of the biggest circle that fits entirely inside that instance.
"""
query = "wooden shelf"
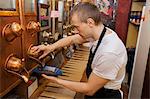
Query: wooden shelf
(44, 18)
(136, 24)
(45, 28)
(44, 5)
(137, 6)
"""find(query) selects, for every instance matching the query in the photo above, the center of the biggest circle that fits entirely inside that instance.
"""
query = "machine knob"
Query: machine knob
(35, 26)
(11, 31)
(15, 27)
(30, 52)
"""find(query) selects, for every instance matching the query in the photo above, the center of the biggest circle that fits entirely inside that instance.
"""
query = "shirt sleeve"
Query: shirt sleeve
(106, 66)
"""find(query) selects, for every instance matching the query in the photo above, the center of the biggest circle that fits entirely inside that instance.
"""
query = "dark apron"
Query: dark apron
(103, 92)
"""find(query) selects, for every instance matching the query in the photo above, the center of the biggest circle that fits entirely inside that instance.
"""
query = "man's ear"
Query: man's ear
(90, 22)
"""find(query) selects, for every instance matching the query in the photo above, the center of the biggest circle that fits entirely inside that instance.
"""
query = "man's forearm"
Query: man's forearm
(81, 87)
(62, 43)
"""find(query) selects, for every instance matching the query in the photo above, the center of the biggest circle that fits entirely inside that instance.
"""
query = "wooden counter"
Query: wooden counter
(73, 70)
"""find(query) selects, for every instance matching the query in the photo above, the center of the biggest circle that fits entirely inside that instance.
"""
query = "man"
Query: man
(107, 60)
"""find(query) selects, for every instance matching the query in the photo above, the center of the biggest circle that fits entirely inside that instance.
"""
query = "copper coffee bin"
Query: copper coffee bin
(18, 32)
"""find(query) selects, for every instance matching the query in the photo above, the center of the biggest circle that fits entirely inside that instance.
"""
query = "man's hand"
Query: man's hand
(50, 78)
(45, 48)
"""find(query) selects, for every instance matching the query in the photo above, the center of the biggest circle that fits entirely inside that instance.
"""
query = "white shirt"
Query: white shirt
(110, 60)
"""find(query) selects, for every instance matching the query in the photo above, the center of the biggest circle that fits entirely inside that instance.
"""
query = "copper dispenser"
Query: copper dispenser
(11, 31)
(33, 26)
(15, 66)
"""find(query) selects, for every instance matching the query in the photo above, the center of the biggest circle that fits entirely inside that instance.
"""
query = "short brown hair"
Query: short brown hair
(86, 10)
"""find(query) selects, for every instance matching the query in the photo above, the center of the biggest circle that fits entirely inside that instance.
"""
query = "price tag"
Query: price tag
(54, 14)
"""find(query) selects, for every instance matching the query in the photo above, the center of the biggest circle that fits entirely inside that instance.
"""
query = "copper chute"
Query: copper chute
(11, 31)
(15, 66)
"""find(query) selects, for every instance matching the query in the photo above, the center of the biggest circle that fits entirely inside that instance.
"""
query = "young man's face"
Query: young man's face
(80, 28)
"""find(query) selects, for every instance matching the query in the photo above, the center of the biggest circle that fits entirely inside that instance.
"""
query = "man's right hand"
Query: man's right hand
(46, 49)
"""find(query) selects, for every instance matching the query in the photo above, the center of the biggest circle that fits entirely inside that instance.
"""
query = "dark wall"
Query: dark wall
(121, 26)
(146, 84)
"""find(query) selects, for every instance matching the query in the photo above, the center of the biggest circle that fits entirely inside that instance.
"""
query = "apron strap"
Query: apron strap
(91, 56)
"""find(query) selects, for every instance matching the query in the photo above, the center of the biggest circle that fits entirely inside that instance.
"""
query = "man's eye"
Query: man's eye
(73, 27)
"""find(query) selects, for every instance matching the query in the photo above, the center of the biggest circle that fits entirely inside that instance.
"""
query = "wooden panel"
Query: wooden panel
(18, 46)
(7, 80)
(28, 39)
(52, 95)
(60, 90)
(132, 36)
(55, 91)
(11, 13)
